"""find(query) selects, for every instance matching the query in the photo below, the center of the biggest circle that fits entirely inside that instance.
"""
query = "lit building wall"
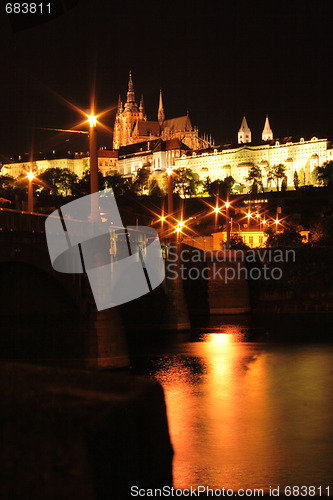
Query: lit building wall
(252, 239)
(295, 156)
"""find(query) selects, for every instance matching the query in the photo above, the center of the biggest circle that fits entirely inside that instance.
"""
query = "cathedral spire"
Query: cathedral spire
(120, 106)
(142, 106)
(160, 114)
(267, 133)
(244, 133)
(130, 93)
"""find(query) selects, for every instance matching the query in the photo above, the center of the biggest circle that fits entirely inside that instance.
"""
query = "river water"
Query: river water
(249, 405)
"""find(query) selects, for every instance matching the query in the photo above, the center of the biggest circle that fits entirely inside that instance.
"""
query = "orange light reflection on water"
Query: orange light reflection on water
(228, 407)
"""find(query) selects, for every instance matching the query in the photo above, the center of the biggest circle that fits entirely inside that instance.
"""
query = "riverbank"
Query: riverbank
(81, 434)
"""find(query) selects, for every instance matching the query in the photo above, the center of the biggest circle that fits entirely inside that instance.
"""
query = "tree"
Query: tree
(290, 237)
(276, 173)
(219, 187)
(5, 181)
(184, 182)
(62, 180)
(296, 180)
(255, 176)
(322, 232)
(284, 183)
(7, 190)
(83, 184)
(301, 176)
(141, 183)
(324, 174)
(114, 180)
(237, 242)
(154, 189)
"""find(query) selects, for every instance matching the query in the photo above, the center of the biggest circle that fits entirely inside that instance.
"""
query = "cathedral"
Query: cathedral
(131, 125)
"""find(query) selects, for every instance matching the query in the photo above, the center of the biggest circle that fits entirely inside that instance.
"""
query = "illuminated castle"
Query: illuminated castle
(296, 155)
(131, 125)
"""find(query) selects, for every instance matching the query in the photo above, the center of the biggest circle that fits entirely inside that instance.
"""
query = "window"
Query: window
(251, 241)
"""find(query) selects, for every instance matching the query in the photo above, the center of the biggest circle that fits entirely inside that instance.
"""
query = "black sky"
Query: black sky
(218, 60)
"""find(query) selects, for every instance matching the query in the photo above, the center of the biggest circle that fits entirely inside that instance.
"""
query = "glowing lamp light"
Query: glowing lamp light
(248, 215)
(30, 176)
(277, 221)
(169, 171)
(217, 210)
(92, 120)
(179, 226)
(227, 204)
(264, 221)
(162, 218)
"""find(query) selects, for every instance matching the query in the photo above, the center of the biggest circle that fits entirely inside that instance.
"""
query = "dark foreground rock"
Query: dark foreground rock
(81, 434)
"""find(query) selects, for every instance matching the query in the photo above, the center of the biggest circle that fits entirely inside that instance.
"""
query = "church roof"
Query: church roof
(179, 124)
(267, 128)
(137, 148)
(244, 126)
(107, 153)
(170, 144)
(146, 128)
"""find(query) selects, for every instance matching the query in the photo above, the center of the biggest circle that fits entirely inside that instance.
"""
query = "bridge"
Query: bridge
(37, 303)
(31, 289)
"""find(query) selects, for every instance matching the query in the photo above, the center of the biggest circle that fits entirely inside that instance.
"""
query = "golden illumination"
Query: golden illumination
(217, 210)
(180, 226)
(249, 215)
(227, 204)
(264, 221)
(277, 221)
(30, 176)
(92, 120)
(169, 171)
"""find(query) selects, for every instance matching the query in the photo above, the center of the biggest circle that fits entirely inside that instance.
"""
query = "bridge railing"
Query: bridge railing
(15, 220)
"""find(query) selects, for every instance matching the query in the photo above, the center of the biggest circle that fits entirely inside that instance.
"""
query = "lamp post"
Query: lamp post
(93, 164)
(30, 176)
(170, 191)
(227, 205)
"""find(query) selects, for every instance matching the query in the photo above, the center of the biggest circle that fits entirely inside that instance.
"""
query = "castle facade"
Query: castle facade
(301, 156)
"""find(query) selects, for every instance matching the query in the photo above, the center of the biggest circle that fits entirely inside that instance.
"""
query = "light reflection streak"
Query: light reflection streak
(241, 414)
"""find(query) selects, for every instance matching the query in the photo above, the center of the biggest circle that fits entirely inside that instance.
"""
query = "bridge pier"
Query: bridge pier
(176, 315)
(228, 290)
(105, 341)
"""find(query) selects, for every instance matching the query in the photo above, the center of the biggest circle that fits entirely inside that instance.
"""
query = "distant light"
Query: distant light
(92, 120)
(30, 175)
(169, 171)
(264, 222)
(277, 221)
(227, 204)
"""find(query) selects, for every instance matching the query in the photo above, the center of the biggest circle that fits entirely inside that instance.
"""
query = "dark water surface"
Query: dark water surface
(249, 406)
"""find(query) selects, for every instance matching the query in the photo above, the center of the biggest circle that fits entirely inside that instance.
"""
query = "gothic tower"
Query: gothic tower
(160, 114)
(267, 134)
(126, 117)
(244, 133)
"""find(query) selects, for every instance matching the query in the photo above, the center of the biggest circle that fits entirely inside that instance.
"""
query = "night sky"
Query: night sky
(218, 60)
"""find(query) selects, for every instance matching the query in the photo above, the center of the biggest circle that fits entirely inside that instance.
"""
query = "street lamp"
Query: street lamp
(217, 211)
(170, 190)
(30, 176)
(227, 205)
(93, 164)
